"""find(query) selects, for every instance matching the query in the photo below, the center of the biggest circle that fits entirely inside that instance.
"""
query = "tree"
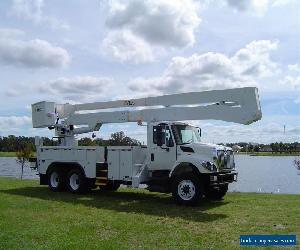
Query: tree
(116, 139)
(24, 152)
(119, 139)
(275, 147)
(250, 148)
(256, 148)
(281, 147)
(87, 142)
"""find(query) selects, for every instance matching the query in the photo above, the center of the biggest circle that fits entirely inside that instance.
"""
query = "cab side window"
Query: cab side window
(165, 133)
(156, 131)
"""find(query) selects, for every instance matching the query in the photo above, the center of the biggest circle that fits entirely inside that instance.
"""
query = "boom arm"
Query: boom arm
(240, 105)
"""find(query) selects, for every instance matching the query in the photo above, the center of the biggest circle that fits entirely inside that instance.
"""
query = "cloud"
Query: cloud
(158, 22)
(11, 122)
(10, 33)
(124, 46)
(31, 54)
(291, 81)
(254, 59)
(149, 25)
(78, 89)
(211, 71)
(258, 7)
(294, 67)
(32, 10)
(280, 3)
(267, 133)
(12, 93)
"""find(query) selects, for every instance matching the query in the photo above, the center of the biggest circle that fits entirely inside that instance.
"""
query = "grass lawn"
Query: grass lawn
(7, 154)
(32, 217)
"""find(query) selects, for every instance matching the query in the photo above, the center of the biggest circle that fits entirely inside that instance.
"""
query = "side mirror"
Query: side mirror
(199, 131)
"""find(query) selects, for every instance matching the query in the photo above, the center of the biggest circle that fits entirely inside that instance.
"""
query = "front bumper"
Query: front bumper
(222, 178)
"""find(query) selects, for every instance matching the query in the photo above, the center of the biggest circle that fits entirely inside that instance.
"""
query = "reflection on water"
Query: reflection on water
(256, 173)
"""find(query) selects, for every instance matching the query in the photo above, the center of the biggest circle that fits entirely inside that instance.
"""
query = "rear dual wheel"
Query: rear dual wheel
(56, 179)
(74, 180)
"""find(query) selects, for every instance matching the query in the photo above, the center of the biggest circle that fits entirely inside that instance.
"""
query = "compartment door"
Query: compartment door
(113, 160)
(126, 164)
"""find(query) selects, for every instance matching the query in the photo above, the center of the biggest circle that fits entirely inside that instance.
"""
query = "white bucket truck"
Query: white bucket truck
(174, 160)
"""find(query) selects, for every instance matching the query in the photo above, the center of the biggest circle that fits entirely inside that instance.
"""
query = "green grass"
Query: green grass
(32, 217)
(269, 153)
(7, 154)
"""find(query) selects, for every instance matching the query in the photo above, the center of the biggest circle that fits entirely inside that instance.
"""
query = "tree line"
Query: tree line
(13, 143)
(276, 147)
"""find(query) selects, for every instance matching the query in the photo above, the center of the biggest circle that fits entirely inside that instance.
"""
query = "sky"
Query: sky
(84, 51)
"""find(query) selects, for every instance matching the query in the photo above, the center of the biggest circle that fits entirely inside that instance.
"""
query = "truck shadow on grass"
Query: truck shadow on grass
(129, 201)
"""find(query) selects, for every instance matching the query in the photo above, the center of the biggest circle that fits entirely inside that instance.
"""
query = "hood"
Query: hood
(221, 156)
(206, 147)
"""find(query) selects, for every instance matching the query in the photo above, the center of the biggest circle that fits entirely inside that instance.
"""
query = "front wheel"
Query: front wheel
(187, 189)
(217, 193)
(77, 183)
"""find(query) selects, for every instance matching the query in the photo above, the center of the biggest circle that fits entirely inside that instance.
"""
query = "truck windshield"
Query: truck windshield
(185, 134)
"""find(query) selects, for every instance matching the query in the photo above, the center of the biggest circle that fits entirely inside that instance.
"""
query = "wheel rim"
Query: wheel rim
(74, 181)
(186, 190)
(54, 179)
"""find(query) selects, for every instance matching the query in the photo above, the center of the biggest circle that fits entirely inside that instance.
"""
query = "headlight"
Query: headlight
(209, 166)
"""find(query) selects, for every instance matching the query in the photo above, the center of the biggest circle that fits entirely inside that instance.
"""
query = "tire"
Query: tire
(218, 193)
(110, 187)
(56, 179)
(187, 189)
(76, 181)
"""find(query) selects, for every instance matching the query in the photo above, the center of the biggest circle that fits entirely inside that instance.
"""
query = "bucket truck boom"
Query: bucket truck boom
(175, 160)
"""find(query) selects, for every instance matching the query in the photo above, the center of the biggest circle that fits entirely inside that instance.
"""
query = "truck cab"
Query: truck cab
(176, 150)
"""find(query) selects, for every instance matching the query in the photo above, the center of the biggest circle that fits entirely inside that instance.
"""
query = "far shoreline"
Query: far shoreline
(268, 153)
(8, 154)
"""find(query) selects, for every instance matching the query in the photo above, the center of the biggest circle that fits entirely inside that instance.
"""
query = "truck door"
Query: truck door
(162, 149)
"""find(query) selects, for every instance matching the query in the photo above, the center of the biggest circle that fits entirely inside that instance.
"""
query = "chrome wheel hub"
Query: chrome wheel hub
(54, 179)
(186, 190)
(74, 181)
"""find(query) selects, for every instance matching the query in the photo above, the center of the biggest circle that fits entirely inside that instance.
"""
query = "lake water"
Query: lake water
(266, 174)
(9, 167)
(261, 174)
